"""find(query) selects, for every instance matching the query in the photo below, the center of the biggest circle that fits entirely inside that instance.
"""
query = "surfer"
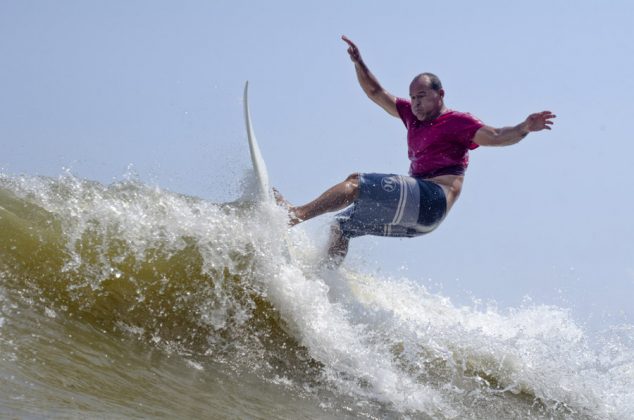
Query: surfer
(438, 139)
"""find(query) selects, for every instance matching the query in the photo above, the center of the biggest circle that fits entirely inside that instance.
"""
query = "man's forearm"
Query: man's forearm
(368, 82)
(507, 136)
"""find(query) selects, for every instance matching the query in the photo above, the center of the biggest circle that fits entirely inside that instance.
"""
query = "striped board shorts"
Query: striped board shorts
(393, 205)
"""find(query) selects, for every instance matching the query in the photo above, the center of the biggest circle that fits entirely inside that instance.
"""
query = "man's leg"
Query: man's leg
(335, 198)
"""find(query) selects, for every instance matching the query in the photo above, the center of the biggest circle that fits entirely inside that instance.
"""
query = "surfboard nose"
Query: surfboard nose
(261, 175)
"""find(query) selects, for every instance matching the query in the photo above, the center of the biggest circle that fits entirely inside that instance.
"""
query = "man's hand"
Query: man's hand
(355, 55)
(539, 121)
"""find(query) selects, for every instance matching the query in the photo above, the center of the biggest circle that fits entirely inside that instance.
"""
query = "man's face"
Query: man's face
(426, 102)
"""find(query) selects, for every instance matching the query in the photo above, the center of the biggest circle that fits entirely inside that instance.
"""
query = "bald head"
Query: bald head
(430, 79)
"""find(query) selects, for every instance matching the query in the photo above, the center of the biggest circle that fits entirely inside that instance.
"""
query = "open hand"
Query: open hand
(355, 55)
(539, 121)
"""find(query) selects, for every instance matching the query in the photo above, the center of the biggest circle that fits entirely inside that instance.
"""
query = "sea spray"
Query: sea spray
(534, 351)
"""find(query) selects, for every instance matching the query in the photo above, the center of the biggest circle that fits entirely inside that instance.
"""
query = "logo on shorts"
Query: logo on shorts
(388, 183)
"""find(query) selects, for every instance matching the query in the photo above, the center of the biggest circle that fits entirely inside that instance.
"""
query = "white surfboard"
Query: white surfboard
(263, 191)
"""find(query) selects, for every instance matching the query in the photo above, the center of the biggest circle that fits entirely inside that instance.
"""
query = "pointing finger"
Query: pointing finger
(347, 40)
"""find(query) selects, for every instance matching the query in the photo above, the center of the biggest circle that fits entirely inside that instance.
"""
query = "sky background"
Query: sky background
(100, 87)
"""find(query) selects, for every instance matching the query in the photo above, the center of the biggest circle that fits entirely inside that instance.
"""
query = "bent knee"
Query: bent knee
(352, 184)
(353, 179)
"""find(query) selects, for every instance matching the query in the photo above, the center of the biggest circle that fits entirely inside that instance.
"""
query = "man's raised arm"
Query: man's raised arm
(369, 83)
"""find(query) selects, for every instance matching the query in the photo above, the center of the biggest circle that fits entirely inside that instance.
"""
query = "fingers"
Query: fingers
(540, 121)
(353, 48)
(544, 116)
(347, 40)
(353, 51)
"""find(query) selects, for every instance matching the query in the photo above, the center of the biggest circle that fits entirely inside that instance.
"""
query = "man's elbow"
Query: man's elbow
(488, 136)
(497, 138)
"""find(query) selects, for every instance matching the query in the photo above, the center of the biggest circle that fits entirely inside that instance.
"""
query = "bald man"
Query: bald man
(438, 139)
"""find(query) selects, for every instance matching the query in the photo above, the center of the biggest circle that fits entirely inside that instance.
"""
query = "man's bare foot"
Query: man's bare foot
(281, 201)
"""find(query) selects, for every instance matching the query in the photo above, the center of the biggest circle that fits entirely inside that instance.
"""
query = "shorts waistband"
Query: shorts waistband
(448, 170)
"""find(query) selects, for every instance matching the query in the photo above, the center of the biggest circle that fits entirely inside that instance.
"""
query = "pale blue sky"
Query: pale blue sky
(98, 85)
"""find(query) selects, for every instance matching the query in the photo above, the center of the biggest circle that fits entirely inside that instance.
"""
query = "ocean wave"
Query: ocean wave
(230, 284)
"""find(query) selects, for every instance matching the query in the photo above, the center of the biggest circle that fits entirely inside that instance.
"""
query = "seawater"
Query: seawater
(128, 301)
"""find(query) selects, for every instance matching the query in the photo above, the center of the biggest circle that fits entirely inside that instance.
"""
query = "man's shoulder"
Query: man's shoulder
(453, 113)
(460, 117)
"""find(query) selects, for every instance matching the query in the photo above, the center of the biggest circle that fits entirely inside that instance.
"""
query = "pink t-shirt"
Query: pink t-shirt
(441, 146)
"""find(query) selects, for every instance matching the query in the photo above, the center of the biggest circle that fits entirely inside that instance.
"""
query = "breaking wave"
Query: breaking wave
(229, 286)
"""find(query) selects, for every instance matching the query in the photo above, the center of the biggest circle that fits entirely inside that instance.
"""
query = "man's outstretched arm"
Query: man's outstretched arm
(489, 136)
(369, 83)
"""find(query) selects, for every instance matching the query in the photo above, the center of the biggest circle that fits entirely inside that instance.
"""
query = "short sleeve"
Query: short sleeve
(468, 127)
(404, 109)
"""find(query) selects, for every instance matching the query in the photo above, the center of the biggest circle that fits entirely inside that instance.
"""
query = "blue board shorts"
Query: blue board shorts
(393, 205)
